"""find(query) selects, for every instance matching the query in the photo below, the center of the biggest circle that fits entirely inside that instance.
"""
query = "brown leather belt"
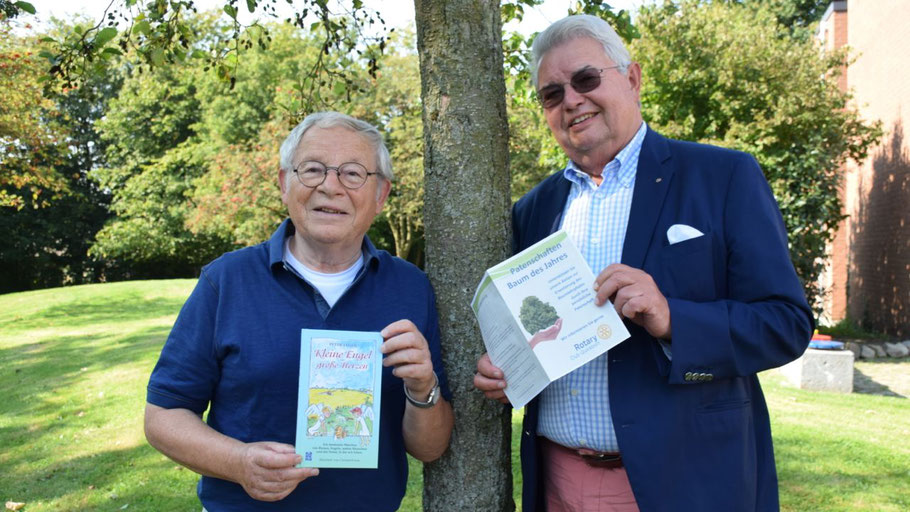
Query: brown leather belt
(609, 460)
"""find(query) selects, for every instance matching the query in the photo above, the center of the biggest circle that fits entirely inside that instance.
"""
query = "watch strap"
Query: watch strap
(431, 399)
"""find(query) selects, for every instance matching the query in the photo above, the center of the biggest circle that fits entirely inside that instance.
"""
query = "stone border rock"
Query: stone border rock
(873, 349)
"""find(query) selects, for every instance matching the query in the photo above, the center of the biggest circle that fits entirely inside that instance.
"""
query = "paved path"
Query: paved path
(882, 376)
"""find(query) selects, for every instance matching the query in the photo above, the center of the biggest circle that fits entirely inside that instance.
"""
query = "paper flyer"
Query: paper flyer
(537, 316)
(339, 399)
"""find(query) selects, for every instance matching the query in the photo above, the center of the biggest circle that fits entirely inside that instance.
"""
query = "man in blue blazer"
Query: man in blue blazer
(691, 249)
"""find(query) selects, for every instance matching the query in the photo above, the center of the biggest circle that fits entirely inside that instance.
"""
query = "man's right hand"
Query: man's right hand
(268, 472)
(490, 380)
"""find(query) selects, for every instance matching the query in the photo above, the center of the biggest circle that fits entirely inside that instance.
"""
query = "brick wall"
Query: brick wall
(878, 189)
(833, 32)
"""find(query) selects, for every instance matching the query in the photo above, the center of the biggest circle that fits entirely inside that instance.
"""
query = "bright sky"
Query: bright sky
(396, 13)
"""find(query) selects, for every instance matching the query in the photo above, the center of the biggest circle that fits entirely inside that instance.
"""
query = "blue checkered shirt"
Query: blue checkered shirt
(575, 410)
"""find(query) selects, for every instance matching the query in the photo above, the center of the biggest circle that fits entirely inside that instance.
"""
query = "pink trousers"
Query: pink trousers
(571, 485)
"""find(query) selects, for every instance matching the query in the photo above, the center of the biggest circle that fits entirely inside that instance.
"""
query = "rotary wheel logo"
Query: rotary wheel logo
(604, 332)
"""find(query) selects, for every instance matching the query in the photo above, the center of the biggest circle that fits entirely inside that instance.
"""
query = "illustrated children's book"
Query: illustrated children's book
(537, 316)
(339, 399)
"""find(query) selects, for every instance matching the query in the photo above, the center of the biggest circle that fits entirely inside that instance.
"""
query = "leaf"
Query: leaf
(142, 27)
(251, 5)
(29, 8)
(111, 51)
(105, 35)
(231, 11)
(13, 505)
(157, 56)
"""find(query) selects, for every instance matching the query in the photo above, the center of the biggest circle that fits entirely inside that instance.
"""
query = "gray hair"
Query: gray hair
(331, 120)
(574, 27)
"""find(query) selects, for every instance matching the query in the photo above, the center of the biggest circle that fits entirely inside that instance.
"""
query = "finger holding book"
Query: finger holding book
(268, 471)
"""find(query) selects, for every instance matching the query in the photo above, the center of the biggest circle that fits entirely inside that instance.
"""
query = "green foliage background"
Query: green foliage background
(730, 74)
(153, 166)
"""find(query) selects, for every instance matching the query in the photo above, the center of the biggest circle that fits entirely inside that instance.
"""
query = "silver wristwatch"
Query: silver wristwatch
(431, 400)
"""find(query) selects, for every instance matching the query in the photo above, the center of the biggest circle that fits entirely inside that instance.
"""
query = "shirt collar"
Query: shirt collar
(286, 229)
(626, 159)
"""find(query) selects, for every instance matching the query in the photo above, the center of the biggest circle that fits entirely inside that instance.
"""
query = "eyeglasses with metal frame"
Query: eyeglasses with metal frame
(351, 175)
(584, 80)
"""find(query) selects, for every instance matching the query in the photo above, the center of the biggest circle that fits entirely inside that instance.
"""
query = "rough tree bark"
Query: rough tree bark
(466, 212)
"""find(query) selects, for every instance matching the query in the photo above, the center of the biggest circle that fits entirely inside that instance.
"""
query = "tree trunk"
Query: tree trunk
(466, 212)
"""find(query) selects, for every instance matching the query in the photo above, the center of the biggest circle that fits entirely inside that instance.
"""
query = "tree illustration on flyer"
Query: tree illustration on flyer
(536, 314)
(339, 399)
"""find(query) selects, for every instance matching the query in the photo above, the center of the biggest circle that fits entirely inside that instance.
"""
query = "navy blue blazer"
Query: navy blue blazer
(694, 431)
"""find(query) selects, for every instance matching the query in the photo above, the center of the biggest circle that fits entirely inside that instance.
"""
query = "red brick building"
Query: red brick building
(869, 275)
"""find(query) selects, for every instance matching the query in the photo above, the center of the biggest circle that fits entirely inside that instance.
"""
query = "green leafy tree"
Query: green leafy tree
(10, 9)
(798, 16)
(716, 73)
(29, 137)
(47, 234)
(153, 156)
(536, 314)
(162, 32)
(151, 209)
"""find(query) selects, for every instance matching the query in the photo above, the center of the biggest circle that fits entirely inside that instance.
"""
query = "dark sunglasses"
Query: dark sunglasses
(585, 80)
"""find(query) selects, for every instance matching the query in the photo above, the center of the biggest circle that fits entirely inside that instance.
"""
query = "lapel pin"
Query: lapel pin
(657, 180)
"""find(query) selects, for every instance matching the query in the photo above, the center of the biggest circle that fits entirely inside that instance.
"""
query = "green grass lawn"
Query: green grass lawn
(74, 363)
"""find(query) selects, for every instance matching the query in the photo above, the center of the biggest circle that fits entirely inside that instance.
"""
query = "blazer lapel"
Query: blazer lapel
(537, 215)
(557, 205)
(652, 181)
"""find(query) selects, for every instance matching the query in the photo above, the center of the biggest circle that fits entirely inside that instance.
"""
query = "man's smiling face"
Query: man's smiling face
(591, 127)
(331, 216)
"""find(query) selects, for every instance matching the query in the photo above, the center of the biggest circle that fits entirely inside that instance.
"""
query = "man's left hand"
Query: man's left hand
(635, 296)
(407, 351)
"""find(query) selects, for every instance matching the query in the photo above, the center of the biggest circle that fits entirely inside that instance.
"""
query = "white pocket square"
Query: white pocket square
(682, 232)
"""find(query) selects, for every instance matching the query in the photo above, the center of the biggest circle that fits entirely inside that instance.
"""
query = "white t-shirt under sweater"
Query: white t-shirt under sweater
(330, 286)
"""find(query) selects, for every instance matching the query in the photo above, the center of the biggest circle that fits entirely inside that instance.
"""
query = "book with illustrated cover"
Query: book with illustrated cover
(537, 316)
(339, 399)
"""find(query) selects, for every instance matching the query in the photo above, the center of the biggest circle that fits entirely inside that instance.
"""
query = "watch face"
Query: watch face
(432, 398)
